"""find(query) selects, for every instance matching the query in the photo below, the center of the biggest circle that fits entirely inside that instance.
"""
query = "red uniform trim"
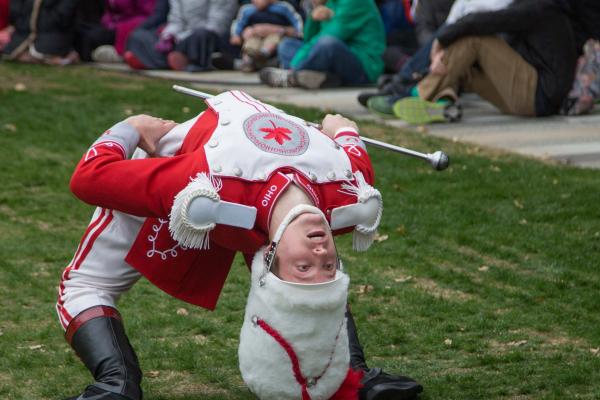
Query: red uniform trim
(302, 381)
(85, 316)
(86, 244)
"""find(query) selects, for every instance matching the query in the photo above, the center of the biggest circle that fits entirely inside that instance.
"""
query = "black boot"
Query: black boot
(378, 385)
(98, 337)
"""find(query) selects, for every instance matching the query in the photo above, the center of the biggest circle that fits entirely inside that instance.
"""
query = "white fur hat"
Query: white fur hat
(294, 340)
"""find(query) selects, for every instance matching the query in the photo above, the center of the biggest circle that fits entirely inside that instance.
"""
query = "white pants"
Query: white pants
(98, 274)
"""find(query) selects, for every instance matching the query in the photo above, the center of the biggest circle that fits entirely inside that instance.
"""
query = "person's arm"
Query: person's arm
(345, 133)
(158, 17)
(348, 19)
(241, 21)
(175, 21)
(220, 15)
(519, 17)
(296, 28)
(105, 177)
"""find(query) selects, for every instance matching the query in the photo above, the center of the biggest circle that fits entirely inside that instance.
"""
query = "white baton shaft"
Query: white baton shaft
(438, 160)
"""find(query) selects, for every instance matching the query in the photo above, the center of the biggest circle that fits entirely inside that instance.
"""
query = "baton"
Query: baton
(438, 160)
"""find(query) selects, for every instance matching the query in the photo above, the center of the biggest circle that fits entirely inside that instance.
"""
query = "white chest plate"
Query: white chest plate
(253, 139)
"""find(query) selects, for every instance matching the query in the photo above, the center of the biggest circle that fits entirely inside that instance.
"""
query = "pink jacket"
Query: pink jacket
(124, 16)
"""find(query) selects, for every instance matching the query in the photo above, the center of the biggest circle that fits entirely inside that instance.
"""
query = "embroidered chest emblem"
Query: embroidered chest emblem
(273, 133)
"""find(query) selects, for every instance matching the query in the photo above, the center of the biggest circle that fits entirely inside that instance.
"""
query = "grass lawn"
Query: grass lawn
(484, 284)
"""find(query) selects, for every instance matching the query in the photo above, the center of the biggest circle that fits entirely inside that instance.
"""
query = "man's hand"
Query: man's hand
(437, 56)
(333, 123)
(151, 129)
(235, 40)
(321, 13)
(248, 32)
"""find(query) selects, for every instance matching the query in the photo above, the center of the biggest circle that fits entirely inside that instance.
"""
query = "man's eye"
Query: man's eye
(303, 268)
(330, 267)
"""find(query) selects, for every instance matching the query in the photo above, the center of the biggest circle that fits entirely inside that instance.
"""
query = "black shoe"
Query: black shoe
(102, 345)
(379, 385)
(364, 97)
(94, 393)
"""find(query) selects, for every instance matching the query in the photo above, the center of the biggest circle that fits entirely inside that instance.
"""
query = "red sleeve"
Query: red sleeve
(357, 153)
(142, 187)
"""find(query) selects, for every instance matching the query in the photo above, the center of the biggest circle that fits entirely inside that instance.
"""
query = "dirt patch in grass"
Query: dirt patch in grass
(432, 288)
(12, 216)
(25, 82)
(181, 384)
(487, 259)
(542, 340)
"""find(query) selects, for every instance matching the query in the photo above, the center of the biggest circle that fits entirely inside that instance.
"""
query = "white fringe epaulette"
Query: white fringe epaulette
(363, 236)
(184, 231)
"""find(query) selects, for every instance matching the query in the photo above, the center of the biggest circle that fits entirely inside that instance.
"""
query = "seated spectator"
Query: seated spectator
(527, 77)
(418, 65)
(399, 31)
(104, 40)
(43, 32)
(195, 30)
(6, 30)
(343, 45)
(260, 27)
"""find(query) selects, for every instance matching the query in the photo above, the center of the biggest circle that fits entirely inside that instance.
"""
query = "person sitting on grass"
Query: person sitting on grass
(41, 32)
(225, 182)
(343, 44)
(195, 31)
(259, 27)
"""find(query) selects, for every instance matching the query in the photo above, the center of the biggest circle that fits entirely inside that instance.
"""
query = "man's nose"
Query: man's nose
(320, 249)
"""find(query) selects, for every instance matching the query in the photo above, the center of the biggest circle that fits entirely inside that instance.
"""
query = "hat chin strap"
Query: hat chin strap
(289, 217)
(295, 212)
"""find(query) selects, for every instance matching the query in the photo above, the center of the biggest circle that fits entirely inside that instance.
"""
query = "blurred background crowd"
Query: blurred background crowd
(415, 58)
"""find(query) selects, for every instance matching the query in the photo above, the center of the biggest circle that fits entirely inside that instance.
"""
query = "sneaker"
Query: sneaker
(364, 97)
(309, 79)
(382, 105)
(276, 77)
(222, 61)
(133, 61)
(177, 61)
(417, 111)
(379, 385)
(106, 54)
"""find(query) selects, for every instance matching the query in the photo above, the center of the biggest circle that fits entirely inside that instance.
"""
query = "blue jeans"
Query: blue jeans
(328, 54)
(418, 64)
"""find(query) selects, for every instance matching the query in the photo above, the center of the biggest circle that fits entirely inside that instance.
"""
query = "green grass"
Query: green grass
(487, 286)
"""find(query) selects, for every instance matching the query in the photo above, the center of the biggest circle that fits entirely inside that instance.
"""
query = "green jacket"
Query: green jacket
(358, 24)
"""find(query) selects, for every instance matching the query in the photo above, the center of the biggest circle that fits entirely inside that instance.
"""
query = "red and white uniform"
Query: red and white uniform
(255, 151)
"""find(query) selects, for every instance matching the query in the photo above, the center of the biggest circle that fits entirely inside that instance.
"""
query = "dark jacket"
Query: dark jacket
(541, 32)
(430, 15)
(55, 25)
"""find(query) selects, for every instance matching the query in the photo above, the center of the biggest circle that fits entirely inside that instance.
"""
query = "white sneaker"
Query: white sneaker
(106, 54)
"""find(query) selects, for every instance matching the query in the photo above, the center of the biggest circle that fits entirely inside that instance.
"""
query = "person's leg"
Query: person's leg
(141, 53)
(287, 49)
(377, 385)
(198, 49)
(489, 67)
(89, 289)
(269, 44)
(251, 46)
(331, 55)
